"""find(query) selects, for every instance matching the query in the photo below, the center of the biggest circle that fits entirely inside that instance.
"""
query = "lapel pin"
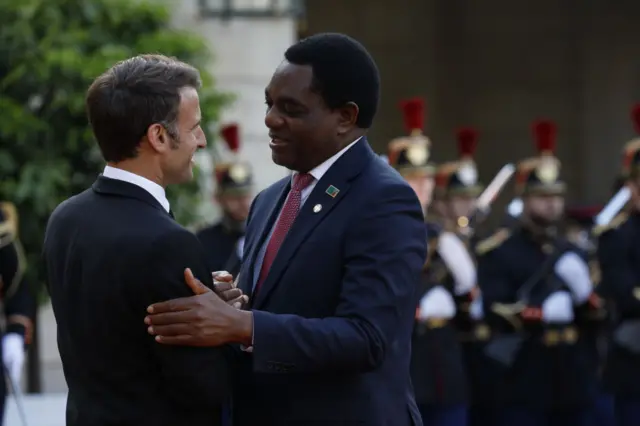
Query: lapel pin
(317, 208)
(332, 191)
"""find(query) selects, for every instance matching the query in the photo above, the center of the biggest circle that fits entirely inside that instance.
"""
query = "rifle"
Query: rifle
(482, 206)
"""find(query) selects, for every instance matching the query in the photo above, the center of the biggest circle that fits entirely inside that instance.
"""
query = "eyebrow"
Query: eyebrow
(288, 99)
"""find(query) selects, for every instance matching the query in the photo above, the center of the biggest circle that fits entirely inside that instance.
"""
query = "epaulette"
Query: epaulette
(492, 242)
(8, 222)
(613, 224)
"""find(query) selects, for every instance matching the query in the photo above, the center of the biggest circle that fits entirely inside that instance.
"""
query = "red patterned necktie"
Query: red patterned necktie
(287, 216)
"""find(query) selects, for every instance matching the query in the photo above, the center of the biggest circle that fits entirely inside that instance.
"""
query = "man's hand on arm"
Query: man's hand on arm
(204, 319)
(192, 375)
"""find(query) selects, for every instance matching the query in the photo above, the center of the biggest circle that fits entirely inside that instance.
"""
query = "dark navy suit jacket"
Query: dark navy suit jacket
(333, 319)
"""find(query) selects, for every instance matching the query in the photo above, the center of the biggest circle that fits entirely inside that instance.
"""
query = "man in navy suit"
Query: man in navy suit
(332, 257)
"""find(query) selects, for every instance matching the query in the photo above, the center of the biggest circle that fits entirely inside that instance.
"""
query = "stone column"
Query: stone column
(246, 52)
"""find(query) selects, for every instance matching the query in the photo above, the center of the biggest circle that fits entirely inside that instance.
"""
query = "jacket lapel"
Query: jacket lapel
(270, 215)
(328, 192)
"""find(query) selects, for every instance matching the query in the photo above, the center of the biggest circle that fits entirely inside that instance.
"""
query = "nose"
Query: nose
(202, 139)
(273, 119)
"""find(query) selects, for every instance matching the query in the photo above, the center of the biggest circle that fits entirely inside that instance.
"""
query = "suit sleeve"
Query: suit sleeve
(493, 280)
(619, 279)
(193, 375)
(384, 251)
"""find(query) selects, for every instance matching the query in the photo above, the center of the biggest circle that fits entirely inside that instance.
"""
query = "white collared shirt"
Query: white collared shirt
(320, 171)
(151, 187)
(317, 174)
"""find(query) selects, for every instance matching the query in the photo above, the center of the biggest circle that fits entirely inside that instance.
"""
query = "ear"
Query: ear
(158, 138)
(347, 118)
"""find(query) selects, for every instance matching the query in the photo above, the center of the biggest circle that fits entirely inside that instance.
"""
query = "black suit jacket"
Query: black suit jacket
(110, 252)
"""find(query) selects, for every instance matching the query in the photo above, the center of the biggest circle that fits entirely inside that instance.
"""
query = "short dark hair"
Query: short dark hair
(343, 71)
(131, 96)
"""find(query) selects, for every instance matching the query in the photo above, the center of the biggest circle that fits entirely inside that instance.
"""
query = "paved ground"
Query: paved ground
(40, 410)
(52, 375)
(47, 409)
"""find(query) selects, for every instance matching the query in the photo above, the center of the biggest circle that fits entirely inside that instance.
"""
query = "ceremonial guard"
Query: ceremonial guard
(437, 368)
(17, 302)
(458, 188)
(224, 240)
(580, 230)
(619, 258)
(533, 281)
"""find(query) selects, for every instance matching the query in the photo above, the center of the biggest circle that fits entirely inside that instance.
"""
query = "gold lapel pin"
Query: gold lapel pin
(317, 208)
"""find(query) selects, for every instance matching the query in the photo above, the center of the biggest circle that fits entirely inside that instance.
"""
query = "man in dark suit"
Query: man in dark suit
(115, 248)
(332, 258)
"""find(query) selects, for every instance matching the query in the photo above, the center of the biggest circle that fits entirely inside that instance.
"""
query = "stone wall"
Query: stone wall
(498, 65)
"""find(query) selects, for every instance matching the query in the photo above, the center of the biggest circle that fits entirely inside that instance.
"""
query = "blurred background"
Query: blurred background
(496, 65)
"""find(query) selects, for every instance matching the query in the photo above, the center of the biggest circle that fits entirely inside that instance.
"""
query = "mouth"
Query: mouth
(276, 142)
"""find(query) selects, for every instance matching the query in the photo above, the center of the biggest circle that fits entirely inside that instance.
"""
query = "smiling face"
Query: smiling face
(176, 143)
(304, 132)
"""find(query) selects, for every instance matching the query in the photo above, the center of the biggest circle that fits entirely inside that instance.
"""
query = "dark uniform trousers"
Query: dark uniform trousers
(486, 391)
(547, 385)
(438, 374)
(437, 368)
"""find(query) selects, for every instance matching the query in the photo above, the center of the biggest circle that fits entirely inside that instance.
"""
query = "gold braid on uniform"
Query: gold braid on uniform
(22, 267)
(613, 224)
(493, 242)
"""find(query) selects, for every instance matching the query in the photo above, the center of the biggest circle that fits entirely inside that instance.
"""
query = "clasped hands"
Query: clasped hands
(209, 318)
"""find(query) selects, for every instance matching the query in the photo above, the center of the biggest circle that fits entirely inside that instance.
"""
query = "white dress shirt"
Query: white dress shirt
(317, 174)
(151, 187)
(320, 171)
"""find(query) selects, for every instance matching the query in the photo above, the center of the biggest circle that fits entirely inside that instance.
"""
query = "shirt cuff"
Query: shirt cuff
(249, 349)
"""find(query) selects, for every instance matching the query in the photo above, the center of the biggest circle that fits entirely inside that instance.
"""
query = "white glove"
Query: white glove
(575, 273)
(13, 355)
(437, 303)
(558, 308)
(476, 311)
(459, 263)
